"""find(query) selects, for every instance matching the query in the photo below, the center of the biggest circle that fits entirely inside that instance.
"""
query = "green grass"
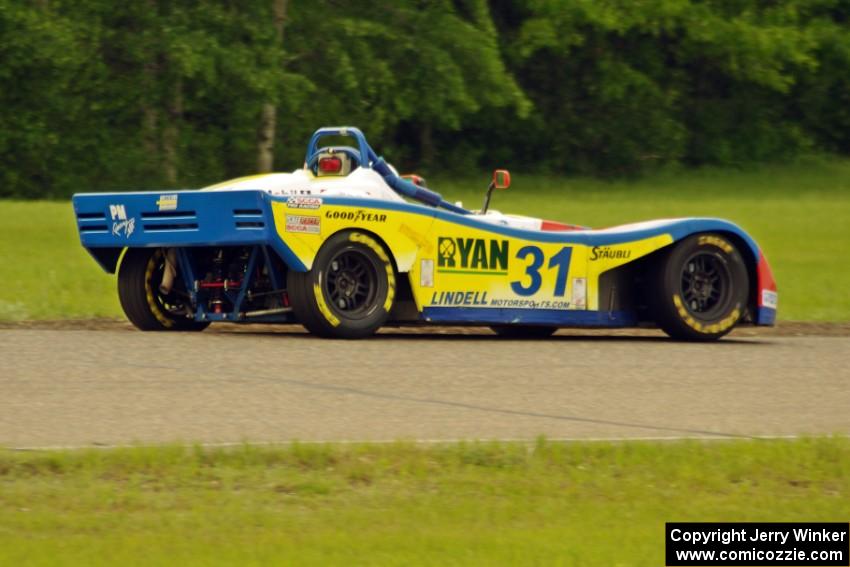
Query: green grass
(47, 274)
(799, 214)
(401, 504)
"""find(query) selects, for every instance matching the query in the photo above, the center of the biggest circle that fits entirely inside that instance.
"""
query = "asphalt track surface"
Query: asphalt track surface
(63, 388)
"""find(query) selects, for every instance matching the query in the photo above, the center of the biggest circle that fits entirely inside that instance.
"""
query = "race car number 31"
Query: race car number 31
(535, 258)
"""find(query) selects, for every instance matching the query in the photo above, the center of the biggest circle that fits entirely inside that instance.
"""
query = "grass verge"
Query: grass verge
(799, 214)
(402, 504)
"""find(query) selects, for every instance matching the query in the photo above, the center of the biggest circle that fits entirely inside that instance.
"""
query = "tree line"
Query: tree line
(181, 93)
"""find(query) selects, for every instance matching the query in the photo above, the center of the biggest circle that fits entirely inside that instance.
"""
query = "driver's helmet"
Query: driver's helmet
(336, 162)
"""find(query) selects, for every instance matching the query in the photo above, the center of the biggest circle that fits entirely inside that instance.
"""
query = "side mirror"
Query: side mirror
(501, 179)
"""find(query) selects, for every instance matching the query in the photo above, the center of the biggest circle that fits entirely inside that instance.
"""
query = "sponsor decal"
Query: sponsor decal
(125, 226)
(120, 223)
(356, 216)
(718, 327)
(716, 241)
(530, 303)
(118, 212)
(323, 306)
(472, 256)
(388, 266)
(304, 202)
(414, 236)
(769, 298)
(426, 273)
(482, 299)
(580, 293)
(304, 224)
(167, 203)
(608, 253)
(459, 298)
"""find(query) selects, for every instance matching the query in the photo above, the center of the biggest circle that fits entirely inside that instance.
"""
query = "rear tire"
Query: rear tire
(523, 331)
(700, 289)
(350, 289)
(138, 290)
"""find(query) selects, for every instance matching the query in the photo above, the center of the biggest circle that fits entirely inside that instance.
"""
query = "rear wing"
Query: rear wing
(109, 222)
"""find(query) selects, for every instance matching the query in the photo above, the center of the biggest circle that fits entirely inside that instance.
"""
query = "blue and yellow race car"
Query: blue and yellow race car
(345, 245)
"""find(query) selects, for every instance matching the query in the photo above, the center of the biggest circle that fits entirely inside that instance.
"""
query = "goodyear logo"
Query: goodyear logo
(357, 216)
(472, 255)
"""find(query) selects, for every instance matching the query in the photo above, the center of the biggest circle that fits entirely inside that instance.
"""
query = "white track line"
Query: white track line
(527, 441)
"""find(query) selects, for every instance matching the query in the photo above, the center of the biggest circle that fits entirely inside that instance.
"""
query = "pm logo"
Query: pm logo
(120, 223)
(118, 212)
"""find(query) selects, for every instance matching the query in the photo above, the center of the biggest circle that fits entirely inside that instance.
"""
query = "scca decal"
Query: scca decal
(472, 255)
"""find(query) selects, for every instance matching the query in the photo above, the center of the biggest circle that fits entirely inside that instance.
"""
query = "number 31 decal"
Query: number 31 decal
(561, 260)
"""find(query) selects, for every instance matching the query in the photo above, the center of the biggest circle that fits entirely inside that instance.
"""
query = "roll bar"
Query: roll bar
(370, 160)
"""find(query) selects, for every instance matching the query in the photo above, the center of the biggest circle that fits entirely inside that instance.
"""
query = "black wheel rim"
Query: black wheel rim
(351, 284)
(706, 285)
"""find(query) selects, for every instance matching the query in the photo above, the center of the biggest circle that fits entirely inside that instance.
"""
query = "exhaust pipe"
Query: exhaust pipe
(169, 273)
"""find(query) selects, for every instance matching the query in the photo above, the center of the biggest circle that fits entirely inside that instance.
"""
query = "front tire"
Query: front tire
(144, 305)
(701, 288)
(350, 289)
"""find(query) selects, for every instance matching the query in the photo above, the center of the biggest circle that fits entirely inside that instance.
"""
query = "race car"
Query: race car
(345, 245)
